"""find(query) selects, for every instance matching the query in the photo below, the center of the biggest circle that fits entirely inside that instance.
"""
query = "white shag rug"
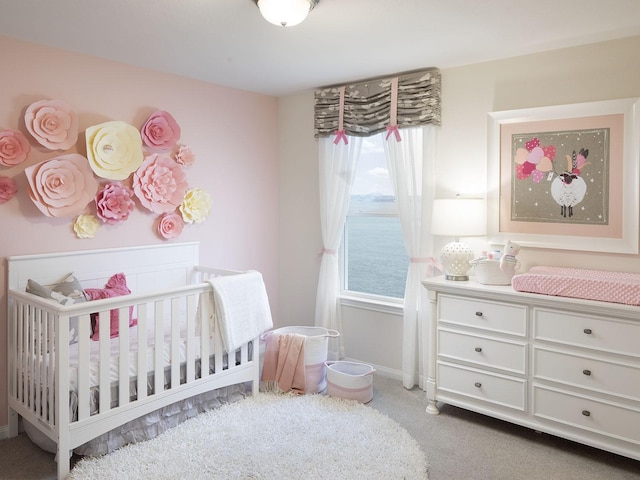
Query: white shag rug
(271, 436)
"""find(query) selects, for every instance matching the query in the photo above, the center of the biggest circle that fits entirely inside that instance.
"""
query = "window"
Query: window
(375, 259)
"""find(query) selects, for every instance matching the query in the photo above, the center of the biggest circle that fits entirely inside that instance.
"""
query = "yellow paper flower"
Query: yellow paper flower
(114, 149)
(86, 226)
(195, 206)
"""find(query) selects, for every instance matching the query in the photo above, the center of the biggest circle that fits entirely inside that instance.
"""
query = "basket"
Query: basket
(350, 380)
(316, 346)
(488, 272)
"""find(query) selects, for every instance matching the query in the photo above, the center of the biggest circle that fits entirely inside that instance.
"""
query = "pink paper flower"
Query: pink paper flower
(8, 189)
(185, 156)
(52, 123)
(160, 132)
(61, 186)
(114, 149)
(114, 203)
(14, 148)
(159, 184)
(170, 225)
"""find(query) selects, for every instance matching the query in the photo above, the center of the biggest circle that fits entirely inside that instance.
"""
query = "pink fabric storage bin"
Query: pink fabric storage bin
(316, 346)
(350, 380)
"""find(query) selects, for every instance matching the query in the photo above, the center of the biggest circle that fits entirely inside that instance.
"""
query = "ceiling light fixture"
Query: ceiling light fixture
(285, 13)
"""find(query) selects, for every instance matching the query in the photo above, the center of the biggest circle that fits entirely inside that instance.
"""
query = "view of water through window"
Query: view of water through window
(375, 257)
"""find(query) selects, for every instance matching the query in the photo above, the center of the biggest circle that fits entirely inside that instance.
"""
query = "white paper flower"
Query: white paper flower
(86, 226)
(114, 149)
(195, 206)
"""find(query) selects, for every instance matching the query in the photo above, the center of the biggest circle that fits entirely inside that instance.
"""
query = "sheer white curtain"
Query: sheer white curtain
(411, 167)
(337, 164)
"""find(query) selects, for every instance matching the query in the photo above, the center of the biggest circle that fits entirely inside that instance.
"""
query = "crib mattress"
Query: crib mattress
(615, 287)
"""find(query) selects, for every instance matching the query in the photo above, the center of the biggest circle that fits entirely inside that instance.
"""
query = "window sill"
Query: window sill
(371, 303)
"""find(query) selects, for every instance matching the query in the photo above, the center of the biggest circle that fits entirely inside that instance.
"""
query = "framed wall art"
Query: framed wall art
(566, 177)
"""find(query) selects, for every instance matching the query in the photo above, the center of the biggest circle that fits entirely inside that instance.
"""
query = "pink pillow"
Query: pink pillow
(115, 287)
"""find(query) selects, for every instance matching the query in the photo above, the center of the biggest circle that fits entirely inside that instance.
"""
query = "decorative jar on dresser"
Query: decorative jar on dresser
(564, 366)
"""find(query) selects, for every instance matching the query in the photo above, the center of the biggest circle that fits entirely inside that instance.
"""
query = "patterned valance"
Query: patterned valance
(373, 106)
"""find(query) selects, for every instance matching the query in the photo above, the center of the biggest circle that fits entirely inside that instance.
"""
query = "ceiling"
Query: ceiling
(227, 42)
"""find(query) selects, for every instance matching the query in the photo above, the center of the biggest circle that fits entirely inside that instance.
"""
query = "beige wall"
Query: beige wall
(601, 71)
(233, 133)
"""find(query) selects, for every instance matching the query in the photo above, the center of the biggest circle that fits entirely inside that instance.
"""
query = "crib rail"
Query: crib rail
(64, 399)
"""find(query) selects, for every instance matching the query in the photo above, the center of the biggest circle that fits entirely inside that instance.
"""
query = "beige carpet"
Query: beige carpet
(267, 437)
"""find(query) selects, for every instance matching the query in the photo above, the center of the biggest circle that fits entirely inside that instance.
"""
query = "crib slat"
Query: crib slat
(175, 342)
(142, 351)
(51, 373)
(218, 348)
(37, 362)
(20, 354)
(84, 343)
(31, 360)
(43, 368)
(123, 357)
(158, 370)
(190, 339)
(204, 303)
(104, 330)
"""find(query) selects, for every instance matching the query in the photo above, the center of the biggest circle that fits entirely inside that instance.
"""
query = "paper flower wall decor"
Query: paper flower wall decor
(185, 156)
(61, 186)
(196, 206)
(114, 203)
(14, 148)
(160, 132)
(52, 123)
(86, 226)
(8, 189)
(114, 149)
(160, 183)
(170, 225)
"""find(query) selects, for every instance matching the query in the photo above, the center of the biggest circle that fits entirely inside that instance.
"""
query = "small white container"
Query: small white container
(350, 380)
(488, 272)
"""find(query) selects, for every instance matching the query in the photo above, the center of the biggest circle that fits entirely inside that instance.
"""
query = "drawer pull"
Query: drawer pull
(477, 385)
(587, 331)
(478, 349)
(586, 413)
(478, 314)
(586, 372)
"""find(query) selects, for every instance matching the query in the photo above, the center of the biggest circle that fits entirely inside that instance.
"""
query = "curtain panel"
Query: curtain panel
(369, 107)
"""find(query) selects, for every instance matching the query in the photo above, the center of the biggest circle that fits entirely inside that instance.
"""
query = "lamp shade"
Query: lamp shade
(286, 13)
(459, 217)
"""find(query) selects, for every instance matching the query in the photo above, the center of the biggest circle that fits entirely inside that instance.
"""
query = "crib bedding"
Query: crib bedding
(616, 287)
(150, 425)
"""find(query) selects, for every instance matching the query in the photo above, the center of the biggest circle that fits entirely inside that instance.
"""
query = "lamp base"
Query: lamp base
(455, 258)
(457, 278)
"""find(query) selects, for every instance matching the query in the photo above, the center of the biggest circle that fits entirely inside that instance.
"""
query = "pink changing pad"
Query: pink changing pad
(616, 287)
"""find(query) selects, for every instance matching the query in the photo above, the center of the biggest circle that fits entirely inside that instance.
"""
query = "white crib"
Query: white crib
(73, 393)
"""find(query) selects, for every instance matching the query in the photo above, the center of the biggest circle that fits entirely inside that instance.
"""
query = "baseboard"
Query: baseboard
(4, 432)
(380, 370)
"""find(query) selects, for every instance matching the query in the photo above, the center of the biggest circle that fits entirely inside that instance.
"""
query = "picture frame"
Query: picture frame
(535, 153)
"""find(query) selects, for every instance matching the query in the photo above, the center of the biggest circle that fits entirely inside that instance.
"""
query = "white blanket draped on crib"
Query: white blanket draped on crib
(241, 308)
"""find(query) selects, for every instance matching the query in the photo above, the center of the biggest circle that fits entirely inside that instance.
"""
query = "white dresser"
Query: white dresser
(564, 366)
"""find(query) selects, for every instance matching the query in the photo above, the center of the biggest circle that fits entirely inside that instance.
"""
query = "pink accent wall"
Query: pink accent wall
(232, 132)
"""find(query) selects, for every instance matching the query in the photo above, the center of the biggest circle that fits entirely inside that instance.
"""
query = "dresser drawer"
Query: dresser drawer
(476, 384)
(493, 316)
(482, 350)
(576, 329)
(594, 374)
(587, 413)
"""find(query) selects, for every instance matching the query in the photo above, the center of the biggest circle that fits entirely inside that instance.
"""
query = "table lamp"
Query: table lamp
(458, 217)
